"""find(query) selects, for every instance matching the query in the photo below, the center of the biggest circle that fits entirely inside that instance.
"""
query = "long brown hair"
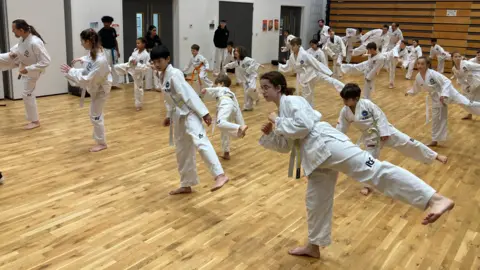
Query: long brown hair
(277, 79)
(427, 61)
(453, 54)
(92, 36)
(22, 24)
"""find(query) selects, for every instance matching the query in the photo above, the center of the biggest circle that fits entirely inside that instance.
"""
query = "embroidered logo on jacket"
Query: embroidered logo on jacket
(26, 54)
(167, 87)
(200, 135)
(432, 81)
(365, 115)
(141, 61)
(302, 62)
(89, 67)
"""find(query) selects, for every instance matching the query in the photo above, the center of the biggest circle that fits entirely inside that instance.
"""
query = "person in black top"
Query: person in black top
(108, 39)
(153, 40)
(220, 39)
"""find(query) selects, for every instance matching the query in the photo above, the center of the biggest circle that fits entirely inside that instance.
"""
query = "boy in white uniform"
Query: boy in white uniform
(185, 111)
(324, 152)
(441, 55)
(335, 48)
(395, 35)
(377, 132)
(352, 36)
(200, 67)
(229, 115)
(468, 77)
(379, 36)
(138, 65)
(369, 68)
(31, 57)
(308, 71)
(415, 53)
(317, 52)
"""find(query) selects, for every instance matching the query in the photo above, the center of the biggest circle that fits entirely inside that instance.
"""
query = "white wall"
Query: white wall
(86, 11)
(264, 44)
(50, 24)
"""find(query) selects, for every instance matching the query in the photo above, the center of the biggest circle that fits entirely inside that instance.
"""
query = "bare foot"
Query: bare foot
(226, 156)
(438, 205)
(309, 250)
(468, 117)
(442, 159)
(242, 131)
(32, 125)
(98, 148)
(181, 190)
(432, 143)
(219, 182)
(391, 86)
(365, 191)
(139, 109)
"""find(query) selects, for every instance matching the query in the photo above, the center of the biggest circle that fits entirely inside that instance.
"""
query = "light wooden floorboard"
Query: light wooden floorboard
(64, 208)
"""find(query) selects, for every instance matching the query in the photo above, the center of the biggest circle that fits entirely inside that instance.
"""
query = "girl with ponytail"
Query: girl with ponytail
(323, 151)
(94, 77)
(32, 58)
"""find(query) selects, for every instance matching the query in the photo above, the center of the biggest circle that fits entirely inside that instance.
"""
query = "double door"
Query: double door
(291, 20)
(139, 15)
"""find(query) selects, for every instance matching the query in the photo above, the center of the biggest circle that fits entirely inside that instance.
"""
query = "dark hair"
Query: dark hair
(478, 51)
(142, 40)
(223, 78)
(195, 47)
(296, 41)
(372, 45)
(92, 36)
(396, 24)
(224, 21)
(22, 24)
(149, 31)
(351, 91)
(242, 52)
(107, 19)
(405, 42)
(416, 41)
(314, 41)
(321, 20)
(330, 29)
(433, 40)
(230, 43)
(359, 29)
(159, 52)
(277, 79)
(385, 26)
(429, 64)
(286, 30)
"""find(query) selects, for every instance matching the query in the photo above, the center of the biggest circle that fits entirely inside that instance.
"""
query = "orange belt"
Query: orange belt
(196, 70)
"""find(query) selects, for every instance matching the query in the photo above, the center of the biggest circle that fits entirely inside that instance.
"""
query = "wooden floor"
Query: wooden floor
(62, 207)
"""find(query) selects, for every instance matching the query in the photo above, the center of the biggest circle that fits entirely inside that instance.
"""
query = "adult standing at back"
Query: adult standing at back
(220, 39)
(153, 40)
(322, 34)
(108, 38)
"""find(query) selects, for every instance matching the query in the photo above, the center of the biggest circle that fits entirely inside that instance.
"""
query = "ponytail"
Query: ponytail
(277, 79)
(92, 36)
(23, 25)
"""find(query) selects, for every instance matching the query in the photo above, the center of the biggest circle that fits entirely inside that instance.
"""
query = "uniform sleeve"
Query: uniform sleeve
(168, 106)
(382, 122)
(188, 66)
(276, 143)
(42, 55)
(84, 81)
(297, 125)
(320, 67)
(343, 124)
(252, 66)
(188, 95)
(417, 88)
(6, 62)
(205, 63)
(212, 93)
(322, 57)
(344, 49)
(231, 65)
(471, 66)
(443, 82)
(419, 51)
(288, 66)
(327, 49)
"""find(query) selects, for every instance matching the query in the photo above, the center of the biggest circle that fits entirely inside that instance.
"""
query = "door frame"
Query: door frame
(302, 24)
(4, 46)
(253, 19)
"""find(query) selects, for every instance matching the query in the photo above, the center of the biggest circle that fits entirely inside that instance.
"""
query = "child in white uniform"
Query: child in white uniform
(229, 115)
(441, 55)
(229, 58)
(369, 68)
(247, 71)
(468, 76)
(308, 70)
(325, 151)
(185, 111)
(352, 36)
(317, 52)
(396, 55)
(95, 78)
(138, 65)
(415, 52)
(335, 48)
(31, 57)
(200, 67)
(441, 93)
(377, 132)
